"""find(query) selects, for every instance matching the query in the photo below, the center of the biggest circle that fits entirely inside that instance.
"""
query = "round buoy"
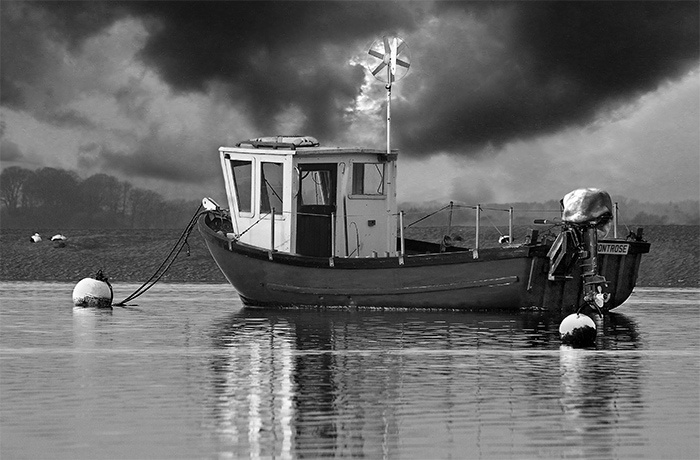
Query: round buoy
(578, 330)
(59, 241)
(95, 293)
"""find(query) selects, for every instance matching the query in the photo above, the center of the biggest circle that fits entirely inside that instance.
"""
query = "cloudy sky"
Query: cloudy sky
(504, 101)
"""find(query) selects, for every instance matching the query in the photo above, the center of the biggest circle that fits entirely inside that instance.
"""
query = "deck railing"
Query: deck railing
(478, 210)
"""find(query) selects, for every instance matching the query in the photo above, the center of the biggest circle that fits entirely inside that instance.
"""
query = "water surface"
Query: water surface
(189, 373)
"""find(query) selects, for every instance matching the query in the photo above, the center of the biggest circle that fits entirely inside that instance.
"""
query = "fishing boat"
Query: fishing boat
(310, 225)
(315, 226)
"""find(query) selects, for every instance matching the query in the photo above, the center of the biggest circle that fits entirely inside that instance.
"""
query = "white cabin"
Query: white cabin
(290, 194)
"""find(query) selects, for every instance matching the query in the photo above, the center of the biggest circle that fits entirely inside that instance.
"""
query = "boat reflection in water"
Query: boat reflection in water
(418, 384)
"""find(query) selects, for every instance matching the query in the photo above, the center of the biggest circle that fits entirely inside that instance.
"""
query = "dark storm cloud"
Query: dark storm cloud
(9, 151)
(525, 68)
(561, 64)
(269, 56)
(10, 94)
(65, 118)
(142, 164)
(22, 55)
(157, 156)
(28, 31)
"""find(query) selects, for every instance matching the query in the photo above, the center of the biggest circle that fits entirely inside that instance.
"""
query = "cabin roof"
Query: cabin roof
(307, 150)
(298, 146)
(313, 151)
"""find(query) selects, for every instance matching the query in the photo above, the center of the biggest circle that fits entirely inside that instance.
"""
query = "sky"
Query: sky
(503, 101)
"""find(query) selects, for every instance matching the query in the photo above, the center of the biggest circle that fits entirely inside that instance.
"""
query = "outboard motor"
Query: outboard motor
(586, 213)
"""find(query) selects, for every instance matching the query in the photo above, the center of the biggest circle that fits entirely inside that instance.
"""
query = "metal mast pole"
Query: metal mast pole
(388, 111)
(393, 48)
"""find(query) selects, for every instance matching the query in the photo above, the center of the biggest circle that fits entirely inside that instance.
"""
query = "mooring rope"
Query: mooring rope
(165, 265)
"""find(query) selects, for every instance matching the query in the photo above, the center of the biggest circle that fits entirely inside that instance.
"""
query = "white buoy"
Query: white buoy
(59, 241)
(578, 330)
(35, 238)
(93, 292)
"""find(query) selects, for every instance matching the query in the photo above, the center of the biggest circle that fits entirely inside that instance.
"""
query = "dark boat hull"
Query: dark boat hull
(500, 279)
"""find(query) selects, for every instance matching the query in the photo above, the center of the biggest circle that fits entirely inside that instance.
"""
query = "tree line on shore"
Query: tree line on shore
(59, 198)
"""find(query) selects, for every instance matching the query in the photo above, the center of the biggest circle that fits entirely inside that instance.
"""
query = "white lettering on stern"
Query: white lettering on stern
(617, 249)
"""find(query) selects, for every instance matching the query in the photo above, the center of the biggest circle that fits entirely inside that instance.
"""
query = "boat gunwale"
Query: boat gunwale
(409, 260)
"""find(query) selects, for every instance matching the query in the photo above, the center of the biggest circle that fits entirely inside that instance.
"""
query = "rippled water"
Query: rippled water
(190, 374)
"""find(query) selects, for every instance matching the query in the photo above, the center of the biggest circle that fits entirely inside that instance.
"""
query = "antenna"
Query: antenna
(395, 56)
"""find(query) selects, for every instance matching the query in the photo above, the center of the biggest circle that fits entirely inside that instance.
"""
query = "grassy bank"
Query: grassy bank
(134, 255)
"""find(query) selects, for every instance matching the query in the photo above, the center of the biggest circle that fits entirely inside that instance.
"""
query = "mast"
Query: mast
(395, 57)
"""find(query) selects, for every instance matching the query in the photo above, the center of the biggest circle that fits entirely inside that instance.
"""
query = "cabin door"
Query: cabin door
(315, 206)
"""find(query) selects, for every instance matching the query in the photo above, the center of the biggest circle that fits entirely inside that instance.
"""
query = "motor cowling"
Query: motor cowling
(589, 207)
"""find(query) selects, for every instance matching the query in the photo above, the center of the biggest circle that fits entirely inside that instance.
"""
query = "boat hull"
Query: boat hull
(499, 279)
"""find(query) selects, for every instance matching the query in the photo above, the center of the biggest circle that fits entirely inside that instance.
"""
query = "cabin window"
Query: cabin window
(368, 178)
(271, 187)
(243, 182)
(316, 187)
